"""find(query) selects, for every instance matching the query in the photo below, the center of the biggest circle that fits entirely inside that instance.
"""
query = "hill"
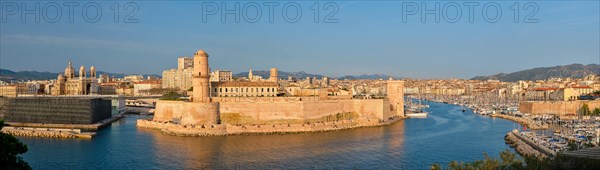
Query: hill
(302, 75)
(282, 74)
(543, 73)
(8, 75)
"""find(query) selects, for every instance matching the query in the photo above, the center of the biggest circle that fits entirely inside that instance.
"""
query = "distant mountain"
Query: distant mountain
(543, 73)
(282, 74)
(368, 76)
(8, 75)
(302, 75)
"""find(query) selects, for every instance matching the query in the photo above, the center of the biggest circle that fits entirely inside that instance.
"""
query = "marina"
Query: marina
(546, 133)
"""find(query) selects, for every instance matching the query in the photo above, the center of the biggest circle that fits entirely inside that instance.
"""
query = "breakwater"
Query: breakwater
(227, 129)
(47, 132)
(526, 122)
(522, 147)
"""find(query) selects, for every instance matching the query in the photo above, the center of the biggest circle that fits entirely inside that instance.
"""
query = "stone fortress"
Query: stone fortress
(208, 114)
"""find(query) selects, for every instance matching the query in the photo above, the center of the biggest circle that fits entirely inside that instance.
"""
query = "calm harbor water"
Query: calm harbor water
(447, 134)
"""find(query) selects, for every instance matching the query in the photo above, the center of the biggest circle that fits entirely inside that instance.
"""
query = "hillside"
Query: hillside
(542, 73)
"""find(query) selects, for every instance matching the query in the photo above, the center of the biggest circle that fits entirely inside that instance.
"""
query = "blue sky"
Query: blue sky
(369, 37)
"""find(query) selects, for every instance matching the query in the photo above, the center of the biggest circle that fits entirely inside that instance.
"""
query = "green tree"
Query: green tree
(585, 110)
(596, 112)
(10, 149)
(509, 160)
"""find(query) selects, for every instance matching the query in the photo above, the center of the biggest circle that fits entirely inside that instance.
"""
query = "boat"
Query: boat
(415, 110)
(417, 115)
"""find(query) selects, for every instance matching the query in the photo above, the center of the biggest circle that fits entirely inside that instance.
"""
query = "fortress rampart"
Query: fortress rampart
(277, 110)
(557, 107)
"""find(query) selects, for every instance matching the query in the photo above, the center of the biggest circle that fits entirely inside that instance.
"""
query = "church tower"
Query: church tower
(69, 71)
(250, 75)
(93, 72)
(82, 72)
(201, 77)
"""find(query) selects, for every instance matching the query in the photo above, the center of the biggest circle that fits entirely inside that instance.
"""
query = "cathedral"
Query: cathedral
(69, 84)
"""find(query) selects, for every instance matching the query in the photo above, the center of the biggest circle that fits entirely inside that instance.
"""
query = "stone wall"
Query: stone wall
(275, 110)
(187, 112)
(556, 107)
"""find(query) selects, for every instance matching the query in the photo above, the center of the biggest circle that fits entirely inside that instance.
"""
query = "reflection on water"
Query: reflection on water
(447, 134)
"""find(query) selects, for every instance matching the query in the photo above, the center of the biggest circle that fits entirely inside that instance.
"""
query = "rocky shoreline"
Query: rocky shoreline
(270, 129)
(521, 147)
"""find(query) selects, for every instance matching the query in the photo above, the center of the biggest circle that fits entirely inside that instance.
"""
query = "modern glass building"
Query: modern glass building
(55, 110)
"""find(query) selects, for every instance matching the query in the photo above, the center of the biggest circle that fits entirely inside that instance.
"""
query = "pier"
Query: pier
(48, 132)
(57, 130)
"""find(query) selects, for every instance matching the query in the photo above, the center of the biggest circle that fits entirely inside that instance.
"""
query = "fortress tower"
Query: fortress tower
(395, 93)
(200, 78)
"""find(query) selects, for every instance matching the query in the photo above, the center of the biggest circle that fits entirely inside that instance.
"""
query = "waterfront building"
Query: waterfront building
(181, 77)
(55, 110)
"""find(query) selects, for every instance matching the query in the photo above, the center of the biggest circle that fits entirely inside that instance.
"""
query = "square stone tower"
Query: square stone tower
(395, 93)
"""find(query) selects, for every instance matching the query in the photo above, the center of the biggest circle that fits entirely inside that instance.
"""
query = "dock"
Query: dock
(84, 127)
(57, 130)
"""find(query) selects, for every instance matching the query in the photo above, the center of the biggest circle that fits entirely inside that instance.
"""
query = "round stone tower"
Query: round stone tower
(201, 77)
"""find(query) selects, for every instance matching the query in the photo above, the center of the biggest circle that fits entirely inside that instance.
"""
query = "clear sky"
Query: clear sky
(368, 37)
